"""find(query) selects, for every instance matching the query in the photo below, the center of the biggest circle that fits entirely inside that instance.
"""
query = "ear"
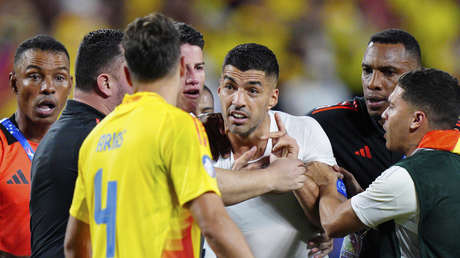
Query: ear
(220, 85)
(418, 120)
(12, 82)
(103, 85)
(273, 98)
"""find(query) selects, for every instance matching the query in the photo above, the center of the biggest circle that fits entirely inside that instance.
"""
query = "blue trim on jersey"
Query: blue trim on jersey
(341, 187)
(14, 131)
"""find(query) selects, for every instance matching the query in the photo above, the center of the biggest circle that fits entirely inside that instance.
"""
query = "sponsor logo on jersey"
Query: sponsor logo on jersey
(364, 152)
(18, 178)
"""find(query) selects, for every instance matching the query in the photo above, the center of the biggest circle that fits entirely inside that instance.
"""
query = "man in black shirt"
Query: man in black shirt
(355, 127)
(100, 87)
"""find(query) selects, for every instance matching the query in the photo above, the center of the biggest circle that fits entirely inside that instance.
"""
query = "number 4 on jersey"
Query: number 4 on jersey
(108, 215)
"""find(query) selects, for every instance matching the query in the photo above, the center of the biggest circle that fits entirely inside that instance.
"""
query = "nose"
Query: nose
(47, 86)
(238, 98)
(190, 76)
(375, 82)
(384, 115)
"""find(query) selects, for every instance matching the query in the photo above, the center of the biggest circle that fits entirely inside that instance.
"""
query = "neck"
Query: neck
(259, 138)
(414, 140)
(94, 100)
(167, 88)
(32, 131)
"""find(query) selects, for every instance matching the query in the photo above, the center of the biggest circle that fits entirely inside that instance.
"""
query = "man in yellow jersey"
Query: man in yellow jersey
(146, 182)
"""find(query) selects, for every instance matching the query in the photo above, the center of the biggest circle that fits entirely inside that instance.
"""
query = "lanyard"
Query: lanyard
(14, 131)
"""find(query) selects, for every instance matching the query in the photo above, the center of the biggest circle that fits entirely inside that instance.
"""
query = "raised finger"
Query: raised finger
(279, 123)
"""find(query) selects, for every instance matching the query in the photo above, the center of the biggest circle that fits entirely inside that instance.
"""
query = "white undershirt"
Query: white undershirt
(274, 225)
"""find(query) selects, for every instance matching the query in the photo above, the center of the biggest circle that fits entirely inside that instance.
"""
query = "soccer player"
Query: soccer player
(100, 87)
(419, 193)
(146, 180)
(191, 49)
(238, 187)
(41, 82)
(274, 224)
(354, 127)
(206, 103)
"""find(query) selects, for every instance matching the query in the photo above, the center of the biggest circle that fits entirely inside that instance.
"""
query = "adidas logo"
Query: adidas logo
(364, 152)
(18, 178)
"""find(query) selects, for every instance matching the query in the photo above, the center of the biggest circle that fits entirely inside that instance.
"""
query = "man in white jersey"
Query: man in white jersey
(420, 193)
(273, 224)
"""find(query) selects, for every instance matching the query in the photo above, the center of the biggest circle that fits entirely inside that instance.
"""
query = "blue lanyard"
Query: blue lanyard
(14, 131)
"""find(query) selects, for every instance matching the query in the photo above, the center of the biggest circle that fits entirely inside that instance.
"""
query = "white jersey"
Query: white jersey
(391, 196)
(274, 225)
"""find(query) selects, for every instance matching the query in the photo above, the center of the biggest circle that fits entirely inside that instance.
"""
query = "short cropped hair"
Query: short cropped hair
(189, 35)
(97, 51)
(253, 56)
(397, 36)
(436, 93)
(152, 47)
(41, 42)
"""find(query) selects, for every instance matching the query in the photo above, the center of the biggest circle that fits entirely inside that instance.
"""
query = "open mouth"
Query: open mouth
(193, 93)
(238, 117)
(45, 108)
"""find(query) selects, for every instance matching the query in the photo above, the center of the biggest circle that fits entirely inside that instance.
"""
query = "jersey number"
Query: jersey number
(108, 215)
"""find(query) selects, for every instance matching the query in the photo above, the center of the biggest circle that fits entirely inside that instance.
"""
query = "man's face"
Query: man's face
(397, 119)
(192, 84)
(41, 81)
(245, 98)
(382, 66)
(206, 104)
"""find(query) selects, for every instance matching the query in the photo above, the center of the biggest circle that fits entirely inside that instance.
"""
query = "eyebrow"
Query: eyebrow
(387, 67)
(39, 68)
(255, 83)
(226, 77)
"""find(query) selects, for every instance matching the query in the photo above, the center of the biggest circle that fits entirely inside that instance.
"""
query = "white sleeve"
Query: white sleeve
(315, 145)
(391, 196)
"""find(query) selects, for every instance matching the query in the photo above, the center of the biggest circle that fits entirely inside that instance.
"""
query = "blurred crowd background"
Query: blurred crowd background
(319, 43)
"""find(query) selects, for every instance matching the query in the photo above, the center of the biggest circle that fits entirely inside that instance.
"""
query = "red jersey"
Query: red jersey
(14, 195)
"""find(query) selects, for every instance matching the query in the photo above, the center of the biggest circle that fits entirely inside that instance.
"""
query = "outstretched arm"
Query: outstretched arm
(282, 175)
(337, 216)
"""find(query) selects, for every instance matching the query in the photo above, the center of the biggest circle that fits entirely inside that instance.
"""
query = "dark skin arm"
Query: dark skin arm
(337, 216)
(77, 242)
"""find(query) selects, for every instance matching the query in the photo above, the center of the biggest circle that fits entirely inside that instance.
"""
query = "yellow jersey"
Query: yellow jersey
(136, 170)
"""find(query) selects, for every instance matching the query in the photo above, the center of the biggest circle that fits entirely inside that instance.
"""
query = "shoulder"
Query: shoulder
(298, 126)
(352, 106)
(291, 121)
(394, 180)
(5, 136)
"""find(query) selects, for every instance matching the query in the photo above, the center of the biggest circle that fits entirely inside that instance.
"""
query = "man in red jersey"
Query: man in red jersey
(41, 82)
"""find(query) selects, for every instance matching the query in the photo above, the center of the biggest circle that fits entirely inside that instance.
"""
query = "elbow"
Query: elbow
(210, 230)
(69, 248)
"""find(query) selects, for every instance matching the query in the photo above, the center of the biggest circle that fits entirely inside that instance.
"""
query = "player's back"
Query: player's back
(133, 208)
